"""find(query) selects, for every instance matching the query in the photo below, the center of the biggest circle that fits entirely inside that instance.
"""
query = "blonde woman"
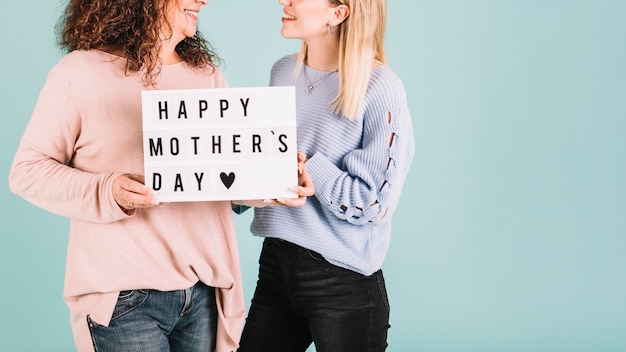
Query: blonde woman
(320, 278)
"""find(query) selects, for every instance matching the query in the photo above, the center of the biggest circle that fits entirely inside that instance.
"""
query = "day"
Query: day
(175, 182)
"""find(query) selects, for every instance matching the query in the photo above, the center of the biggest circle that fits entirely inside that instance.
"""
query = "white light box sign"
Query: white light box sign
(220, 144)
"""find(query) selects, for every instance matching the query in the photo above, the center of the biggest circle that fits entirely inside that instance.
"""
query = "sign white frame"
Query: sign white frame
(220, 144)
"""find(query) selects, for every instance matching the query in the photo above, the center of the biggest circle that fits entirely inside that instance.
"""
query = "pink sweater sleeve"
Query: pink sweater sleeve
(41, 171)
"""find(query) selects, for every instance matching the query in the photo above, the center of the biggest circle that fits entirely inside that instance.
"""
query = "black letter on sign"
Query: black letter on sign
(156, 149)
(223, 106)
(162, 109)
(217, 144)
(236, 143)
(245, 106)
(203, 106)
(195, 145)
(174, 146)
(199, 179)
(280, 139)
(156, 181)
(256, 143)
(179, 184)
(182, 111)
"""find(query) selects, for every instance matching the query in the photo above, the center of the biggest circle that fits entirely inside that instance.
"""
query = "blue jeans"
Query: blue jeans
(155, 321)
(301, 298)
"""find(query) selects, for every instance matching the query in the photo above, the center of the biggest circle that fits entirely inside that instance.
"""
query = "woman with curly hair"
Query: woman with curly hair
(139, 276)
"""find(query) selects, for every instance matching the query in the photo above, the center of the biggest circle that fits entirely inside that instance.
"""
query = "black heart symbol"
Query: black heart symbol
(227, 180)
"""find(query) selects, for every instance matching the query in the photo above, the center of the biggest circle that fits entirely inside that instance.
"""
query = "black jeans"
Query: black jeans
(301, 298)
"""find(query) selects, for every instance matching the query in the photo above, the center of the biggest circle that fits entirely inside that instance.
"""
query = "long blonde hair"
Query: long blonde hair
(361, 47)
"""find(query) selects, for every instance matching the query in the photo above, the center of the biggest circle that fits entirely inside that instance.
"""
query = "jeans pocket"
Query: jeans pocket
(314, 255)
(129, 300)
(92, 324)
(382, 287)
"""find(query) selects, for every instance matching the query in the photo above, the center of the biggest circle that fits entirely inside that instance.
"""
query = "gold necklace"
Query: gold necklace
(311, 85)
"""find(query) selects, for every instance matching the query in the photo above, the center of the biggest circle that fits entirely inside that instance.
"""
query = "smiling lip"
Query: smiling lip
(192, 13)
(287, 17)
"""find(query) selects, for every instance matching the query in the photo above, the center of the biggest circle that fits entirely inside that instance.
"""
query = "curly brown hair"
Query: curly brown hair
(130, 28)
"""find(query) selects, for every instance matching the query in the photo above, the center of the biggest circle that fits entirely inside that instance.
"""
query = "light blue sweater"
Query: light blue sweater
(358, 169)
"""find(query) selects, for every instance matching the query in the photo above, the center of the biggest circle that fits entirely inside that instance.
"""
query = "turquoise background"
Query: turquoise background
(511, 233)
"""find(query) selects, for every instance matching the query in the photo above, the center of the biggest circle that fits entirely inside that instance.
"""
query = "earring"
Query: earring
(330, 29)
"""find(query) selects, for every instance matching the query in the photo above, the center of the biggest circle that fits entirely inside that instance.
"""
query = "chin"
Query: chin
(190, 33)
(287, 35)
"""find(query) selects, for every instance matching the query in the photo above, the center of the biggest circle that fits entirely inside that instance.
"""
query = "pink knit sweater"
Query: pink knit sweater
(86, 129)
